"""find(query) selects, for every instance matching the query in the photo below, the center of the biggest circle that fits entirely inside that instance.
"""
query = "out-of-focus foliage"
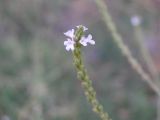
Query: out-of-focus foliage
(37, 78)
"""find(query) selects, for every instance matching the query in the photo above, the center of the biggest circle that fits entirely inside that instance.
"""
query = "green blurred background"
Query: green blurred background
(37, 77)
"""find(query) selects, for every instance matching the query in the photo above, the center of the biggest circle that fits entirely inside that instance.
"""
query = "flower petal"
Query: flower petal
(83, 41)
(67, 48)
(92, 42)
(70, 33)
(72, 47)
(89, 36)
(65, 43)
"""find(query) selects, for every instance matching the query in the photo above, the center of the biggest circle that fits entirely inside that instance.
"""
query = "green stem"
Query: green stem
(87, 84)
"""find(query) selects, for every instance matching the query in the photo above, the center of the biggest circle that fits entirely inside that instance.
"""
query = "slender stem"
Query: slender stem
(124, 49)
(87, 84)
(145, 54)
(148, 59)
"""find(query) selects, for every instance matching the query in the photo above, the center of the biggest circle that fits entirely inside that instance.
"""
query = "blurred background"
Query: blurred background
(37, 77)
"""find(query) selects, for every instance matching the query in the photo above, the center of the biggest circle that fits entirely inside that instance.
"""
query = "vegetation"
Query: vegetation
(37, 76)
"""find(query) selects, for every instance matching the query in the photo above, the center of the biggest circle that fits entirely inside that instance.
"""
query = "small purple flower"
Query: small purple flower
(136, 20)
(84, 28)
(69, 44)
(85, 40)
(70, 33)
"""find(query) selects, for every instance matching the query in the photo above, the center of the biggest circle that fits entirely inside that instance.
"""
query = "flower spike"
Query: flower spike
(75, 43)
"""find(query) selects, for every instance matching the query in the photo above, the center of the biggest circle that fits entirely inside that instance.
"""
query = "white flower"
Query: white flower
(84, 28)
(69, 44)
(136, 20)
(70, 33)
(85, 40)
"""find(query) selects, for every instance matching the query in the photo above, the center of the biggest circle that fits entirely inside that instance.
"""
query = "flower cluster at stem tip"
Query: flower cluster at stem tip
(70, 42)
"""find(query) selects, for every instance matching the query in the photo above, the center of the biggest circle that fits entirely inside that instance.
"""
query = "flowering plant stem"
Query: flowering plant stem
(85, 81)
(87, 85)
